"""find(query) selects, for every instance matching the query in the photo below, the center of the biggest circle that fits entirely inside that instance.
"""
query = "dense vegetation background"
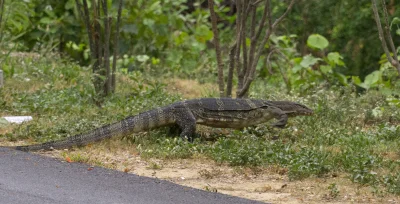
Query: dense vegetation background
(171, 37)
(326, 54)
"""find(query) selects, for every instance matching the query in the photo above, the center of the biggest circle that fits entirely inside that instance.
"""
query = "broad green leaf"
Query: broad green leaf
(373, 78)
(130, 28)
(203, 33)
(398, 32)
(342, 78)
(356, 80)
(296, 68)
(155, 7)
(149, 22)
(325, 69)
(317, 41)
(142, 58)
(155, 61)
(395, 21)
(297, 60)
(181, 38)
(335, 58)
(198, 46)
(299, 82)
(70, 4)
(309, 60)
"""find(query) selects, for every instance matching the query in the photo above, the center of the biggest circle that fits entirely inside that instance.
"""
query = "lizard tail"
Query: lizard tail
(98, 134)
(138, 123)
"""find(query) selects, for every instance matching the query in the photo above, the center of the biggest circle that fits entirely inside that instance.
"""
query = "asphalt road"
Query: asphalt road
(29, 178)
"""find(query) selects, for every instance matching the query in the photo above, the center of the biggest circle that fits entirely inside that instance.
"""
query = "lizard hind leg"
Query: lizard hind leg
(174, 130)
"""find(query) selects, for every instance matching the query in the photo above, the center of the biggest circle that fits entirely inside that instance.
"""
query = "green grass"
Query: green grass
(357, 135)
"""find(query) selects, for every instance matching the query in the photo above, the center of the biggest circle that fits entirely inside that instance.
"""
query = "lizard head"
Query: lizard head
(292, 108)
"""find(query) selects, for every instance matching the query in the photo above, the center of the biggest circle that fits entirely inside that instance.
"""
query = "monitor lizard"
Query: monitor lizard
(214, 112)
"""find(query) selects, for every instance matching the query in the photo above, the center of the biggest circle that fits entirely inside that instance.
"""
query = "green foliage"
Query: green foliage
(392, 183)
(306, 72)
(385, 79)
(395, 21)
(165, 31)
(348, 25)
(308, 162)
(317, 68)
(317, 41)
(15, 20)
(54, 23)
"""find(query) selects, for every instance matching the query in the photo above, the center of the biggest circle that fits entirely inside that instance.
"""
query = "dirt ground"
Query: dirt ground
(267, 185)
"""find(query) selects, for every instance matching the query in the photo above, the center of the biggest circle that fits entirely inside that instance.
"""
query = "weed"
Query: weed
(154, 166)
(392, 183)
(333, 190)
(204, 173)
(72, 157)
(210, 188)
(309, 162)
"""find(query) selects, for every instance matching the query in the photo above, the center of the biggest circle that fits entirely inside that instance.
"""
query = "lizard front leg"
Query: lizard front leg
(280, 116)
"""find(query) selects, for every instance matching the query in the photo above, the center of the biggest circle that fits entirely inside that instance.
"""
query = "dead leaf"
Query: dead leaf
(69, 160)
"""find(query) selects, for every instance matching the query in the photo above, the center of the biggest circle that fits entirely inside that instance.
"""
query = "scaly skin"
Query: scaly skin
(213, 112)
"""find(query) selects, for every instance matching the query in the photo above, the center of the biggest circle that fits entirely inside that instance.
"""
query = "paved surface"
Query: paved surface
(30, 178)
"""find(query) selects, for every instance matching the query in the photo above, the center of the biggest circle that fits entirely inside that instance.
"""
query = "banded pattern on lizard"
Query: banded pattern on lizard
(213, 112)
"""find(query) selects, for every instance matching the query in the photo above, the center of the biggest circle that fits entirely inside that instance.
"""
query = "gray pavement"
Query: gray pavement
(30, 178)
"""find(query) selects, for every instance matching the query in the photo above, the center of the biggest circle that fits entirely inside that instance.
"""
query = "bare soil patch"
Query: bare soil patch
(190, 88)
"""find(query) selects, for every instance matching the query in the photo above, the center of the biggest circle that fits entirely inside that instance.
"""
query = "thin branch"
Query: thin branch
(250, 9)
(266, 13)
(239, 28)
(269, 14)
(1, 14)
(217, 48)
(107, 33)
(395, 63)
(230, 70)
(380, 32)
(284, 76)
(116, 35)
(256, 3)
(250, 78)
(277, 21)
(268, 63)
(85, 16)
(243, 10)
(98, 33)
(254, 38)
